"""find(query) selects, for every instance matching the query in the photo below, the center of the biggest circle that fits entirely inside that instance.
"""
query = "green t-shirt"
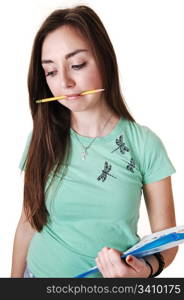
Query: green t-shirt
(97, 203)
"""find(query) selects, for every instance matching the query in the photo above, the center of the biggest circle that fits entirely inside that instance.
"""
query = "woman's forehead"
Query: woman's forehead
(64, 39)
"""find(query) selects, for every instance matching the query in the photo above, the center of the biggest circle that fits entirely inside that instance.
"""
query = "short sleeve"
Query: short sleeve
(156, 163)
(22, 162)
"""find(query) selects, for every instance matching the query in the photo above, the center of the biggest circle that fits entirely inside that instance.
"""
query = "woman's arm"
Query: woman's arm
(160, 207)
(23, 235)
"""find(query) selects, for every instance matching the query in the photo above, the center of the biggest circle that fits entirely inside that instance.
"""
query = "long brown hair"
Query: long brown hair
(50, 142)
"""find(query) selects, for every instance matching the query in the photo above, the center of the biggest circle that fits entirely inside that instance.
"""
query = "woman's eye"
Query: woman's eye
(75, 67)
(51, 73)
(78, 67)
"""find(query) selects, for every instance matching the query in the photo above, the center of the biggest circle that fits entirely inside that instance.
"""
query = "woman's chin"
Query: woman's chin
(75, 107)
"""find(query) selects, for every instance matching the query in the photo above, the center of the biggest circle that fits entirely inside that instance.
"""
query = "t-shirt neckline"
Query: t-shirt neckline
(110, 136)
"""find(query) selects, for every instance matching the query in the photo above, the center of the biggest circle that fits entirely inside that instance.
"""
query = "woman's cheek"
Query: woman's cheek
(53, 86)
(93, 79)
(89, 83)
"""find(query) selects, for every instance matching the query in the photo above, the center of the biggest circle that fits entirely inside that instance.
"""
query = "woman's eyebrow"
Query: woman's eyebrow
(67, 56)
(75, 52)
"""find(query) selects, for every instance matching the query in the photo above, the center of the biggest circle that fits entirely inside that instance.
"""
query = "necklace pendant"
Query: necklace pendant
(84, 153)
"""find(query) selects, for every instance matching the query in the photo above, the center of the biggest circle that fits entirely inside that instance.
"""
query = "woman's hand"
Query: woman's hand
(111, 265)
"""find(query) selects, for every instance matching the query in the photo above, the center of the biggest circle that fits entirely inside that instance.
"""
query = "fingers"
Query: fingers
(135, 263)
(111, 265)
(103, 263)
(109, 262)
(119, 267)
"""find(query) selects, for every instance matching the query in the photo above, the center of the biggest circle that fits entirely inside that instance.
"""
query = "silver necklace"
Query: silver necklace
(85, 148)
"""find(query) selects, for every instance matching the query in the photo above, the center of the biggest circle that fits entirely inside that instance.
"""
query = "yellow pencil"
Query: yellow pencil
(92, 91)
(50, 99)
(63, 97)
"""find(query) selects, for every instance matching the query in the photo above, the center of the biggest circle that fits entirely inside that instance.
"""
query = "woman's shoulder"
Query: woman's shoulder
(135, 131)
(142, 140)
(149, 152)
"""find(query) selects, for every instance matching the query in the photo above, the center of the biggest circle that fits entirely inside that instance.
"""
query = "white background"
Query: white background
(148, 39)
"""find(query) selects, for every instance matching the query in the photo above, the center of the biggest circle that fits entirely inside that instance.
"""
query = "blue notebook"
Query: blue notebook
(150, 244)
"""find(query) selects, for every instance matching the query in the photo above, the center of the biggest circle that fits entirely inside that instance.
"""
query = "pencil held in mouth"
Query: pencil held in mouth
(65, 96)
(92, 91)
(51, 99)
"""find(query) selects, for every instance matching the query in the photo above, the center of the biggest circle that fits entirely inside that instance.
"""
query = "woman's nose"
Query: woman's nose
(66, 80)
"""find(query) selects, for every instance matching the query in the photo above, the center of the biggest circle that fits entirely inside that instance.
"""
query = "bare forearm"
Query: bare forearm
(22, 239)
(168, 256)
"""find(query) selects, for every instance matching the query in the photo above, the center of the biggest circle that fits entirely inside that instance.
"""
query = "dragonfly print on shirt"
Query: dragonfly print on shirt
(123, 148)
(105, 172)
(131, 165)
(121, 145)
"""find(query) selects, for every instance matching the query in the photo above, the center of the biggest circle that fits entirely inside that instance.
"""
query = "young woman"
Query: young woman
(86, 161)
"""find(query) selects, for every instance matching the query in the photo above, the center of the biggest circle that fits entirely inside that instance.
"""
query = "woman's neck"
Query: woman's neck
(93, 125)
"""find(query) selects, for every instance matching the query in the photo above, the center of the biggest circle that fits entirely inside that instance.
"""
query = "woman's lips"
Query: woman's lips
(73, 96)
